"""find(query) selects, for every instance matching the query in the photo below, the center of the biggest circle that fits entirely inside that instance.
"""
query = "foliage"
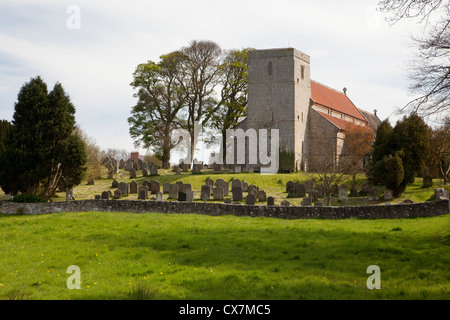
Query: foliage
(389, 172)
(28, 198)
(41, 154)
(440, 149)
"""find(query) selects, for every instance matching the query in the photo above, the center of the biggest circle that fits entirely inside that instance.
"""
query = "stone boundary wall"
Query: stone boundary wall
(397, 211)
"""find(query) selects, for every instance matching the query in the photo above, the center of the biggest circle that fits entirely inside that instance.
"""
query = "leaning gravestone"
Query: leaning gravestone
(133, 187)
(262, 196)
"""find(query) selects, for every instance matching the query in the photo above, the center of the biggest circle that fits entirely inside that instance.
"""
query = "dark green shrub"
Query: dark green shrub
(28, 198)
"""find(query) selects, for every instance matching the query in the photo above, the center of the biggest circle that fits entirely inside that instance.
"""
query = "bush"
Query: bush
(28, 198)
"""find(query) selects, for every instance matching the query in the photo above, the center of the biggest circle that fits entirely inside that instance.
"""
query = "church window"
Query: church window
(302, 71)
(303, 117)
(302, 146)
(270, 68)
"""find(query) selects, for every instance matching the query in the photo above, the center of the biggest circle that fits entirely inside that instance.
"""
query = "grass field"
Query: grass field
(172, 256)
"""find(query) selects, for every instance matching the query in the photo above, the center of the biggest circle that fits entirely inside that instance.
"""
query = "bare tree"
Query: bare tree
(430, 71)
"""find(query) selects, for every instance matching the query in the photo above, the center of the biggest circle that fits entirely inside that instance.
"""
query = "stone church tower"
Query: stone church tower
(311, 117)
(279, 93)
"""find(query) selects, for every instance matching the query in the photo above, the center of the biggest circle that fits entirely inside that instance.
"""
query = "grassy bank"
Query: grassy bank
(160, 256)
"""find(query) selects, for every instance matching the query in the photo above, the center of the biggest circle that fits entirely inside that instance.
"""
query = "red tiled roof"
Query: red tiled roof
(334, 99)
(341, 124)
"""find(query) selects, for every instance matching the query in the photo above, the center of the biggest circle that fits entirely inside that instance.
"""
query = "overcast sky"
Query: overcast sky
(93, 57)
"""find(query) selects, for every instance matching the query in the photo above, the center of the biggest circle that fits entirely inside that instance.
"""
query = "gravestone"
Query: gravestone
(144, 172)
(205, 192)
(353, 192)
(124, 188)
(209, 182)
(144, 165)
(388, 194)
(155, 186)
(117, 194)
(159, 196)
(309, 185)
(374, 194)
(292, 193)
(270, 201)
(181, 196)
(365, 188)
(236, 183)
(143, 193)
(441, 194)
(197, 168)
(289, 185)
(313, 195)
(184, 187)
(132, 173)
(115, 184)
(122, 164)
(285, 203)
(320, 190)
(105, 195)
(128, 165)
(153, 169)
(175, 168)
(110, 174)
(300, 190)
(237, 169)
(237, 193)
(166, 187)
(227, 201)
(343, 194)
(183, 166)
(173, 191)
(217, 168)
(69, 195)
(224, 185)
(98, 197)
(427, 181)
(244, 186)
(133, 187)
(218, 193)
(262, 196)
(250, 200)
(306, 202)
(178, 171)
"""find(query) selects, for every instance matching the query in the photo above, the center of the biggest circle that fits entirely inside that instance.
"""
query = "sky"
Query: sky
(93, 47)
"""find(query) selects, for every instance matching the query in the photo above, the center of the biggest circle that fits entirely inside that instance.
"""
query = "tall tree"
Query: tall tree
(160, 100)
(440, 148)
(232, 106)
(41, 152)
(430, 70)
(198, 80)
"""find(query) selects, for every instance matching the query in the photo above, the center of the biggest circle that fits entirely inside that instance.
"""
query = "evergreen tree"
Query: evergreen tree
(41, 152)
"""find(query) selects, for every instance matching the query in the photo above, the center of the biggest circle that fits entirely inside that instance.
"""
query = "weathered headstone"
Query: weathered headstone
(155, 186)
(441, 194)
(144, 172)
(292, 193)
(309, 185)
(217, 168)
(122, 164)
(143, 193)
(300, 190)
(250, 200)
(244, 186)
(289, 185)
(175, 168)
(178, 170)
(237, 169)
(117, 194)
(159, 196)
(153, 169)
(184, 187)
(374, 194)
(115, 184)
(236, 183)
(365, 188)
(262, 196)
(320, 190)
(205, 192)
(98, 197)
(388, 194)
(105, 195)
(313, 195)
(253, 190)
(133, 187)
(209, 182)
(69, 195)
(166, 187)
(133, 173)
(218, 193)
(270, 201)
(285, 203)
(124, 188)
(181, 196)
(183, 166)
(306, 202)
(173, 191)
(237, 193)
(197, 168)
(427, 181)
(227, 201)
(343, 194)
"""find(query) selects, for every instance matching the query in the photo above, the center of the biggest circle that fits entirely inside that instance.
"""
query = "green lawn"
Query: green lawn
(172, 256)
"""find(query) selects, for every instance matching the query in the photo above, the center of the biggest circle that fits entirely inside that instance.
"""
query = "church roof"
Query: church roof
(341, 124)
(333, 99)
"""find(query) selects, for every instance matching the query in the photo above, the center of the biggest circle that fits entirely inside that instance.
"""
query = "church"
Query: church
(310, 116)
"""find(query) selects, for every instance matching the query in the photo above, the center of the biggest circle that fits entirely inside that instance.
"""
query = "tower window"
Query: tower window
(302, 71)
(270, 68)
